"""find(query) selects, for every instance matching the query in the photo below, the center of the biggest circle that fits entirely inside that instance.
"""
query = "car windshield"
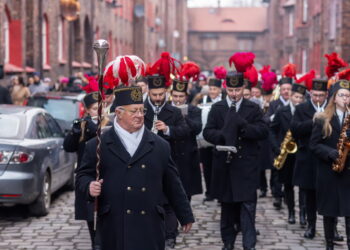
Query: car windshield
(10, 126)
(60, 109)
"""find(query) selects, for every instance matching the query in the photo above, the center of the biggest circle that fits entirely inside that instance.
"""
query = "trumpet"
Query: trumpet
(288, 146)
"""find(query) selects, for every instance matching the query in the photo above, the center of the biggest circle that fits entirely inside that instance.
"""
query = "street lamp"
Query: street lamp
(70, 11)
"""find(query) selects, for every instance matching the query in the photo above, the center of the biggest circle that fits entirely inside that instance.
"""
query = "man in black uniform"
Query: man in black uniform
(285, 85)
(305, 167)
(137, 171)
(236, 122)
(188, 162)
(166, 121)
(280, 130)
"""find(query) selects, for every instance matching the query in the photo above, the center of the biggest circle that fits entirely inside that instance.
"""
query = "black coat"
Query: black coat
(5, 97)
(173, 118)
(279, 127)
(131, 216)
(332, 188)
(187, 153)
(238, 180)
(72, 143)
(305, 164)
(273, 107)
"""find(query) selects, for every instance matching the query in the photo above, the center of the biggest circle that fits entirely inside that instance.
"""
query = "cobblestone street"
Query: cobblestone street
(60, 231)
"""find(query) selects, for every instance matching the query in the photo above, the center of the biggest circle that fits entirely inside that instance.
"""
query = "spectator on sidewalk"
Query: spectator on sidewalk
(19, 91)
(38, 86)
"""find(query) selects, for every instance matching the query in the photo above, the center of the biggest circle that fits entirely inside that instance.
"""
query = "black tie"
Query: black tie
(233, 106)
(343, 119)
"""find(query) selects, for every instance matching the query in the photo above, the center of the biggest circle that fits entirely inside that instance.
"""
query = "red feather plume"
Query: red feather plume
(265, 69)
(307, 79)
(269, 79)
(242, 61)
(345, 74)
(289, 70)
(165, 66)
(91, 86)
(220, 72)
(252, 75)
(109, 80)
(189, 70)
(334, 64)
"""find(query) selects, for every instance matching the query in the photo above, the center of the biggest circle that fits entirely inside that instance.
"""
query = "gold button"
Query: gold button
(240, 157)
(143, 166)
(129, 188)
(129, 166)
(143, 212)
(128, 211)
(143, 189)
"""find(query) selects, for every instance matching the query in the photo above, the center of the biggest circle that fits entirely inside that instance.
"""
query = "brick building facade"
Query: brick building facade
(35, 36)
(216, 33)
(302, 31)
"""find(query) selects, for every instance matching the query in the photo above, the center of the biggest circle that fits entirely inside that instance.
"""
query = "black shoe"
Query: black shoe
(310, 232)
(277, 203)
(337, 236)
(302, 219)
(228, 246)
(257, 232)
(170, 243)
(329, 245)
(291, 217)
(262, 194)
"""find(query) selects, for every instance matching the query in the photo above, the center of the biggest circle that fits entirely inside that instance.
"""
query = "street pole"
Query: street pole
(40, 68)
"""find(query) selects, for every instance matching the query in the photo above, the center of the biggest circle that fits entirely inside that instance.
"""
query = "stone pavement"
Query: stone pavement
(60, 231)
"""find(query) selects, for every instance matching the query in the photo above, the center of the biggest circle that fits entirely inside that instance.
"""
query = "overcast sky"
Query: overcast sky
(223, 3)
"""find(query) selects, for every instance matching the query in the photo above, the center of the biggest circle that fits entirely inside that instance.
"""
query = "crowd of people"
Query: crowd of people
(164, 123)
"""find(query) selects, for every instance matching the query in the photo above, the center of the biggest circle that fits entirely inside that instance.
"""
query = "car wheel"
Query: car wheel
(42, 204)
(70, 185)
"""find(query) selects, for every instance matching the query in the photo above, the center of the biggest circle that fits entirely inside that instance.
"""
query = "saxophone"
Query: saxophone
(288, 146)
(155, 119)
(343, 147)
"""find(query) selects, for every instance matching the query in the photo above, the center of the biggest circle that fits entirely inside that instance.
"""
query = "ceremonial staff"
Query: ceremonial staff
(101, 47)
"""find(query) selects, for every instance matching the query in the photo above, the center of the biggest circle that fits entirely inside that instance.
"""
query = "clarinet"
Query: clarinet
(229, 154)
(155, 119)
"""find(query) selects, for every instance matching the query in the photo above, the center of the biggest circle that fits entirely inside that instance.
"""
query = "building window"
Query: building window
(45, 40)
(291, 23)
(61, 40)
(290, 58)
(304, 61)
(245, 44)
(305, 10)
(332, 20)
(7, 38)
(209, 44)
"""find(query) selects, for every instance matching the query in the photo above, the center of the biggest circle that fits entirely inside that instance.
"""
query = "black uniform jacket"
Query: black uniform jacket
(238, 180)
(332, 188)
(131, 216)
(279, 127)
(305, 165)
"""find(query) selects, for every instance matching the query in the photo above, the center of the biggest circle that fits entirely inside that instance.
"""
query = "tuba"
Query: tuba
(288, 146)
(343, 147)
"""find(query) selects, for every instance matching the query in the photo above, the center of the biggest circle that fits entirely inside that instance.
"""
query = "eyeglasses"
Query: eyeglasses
(319, 96)
(343, 95)
(133, 112)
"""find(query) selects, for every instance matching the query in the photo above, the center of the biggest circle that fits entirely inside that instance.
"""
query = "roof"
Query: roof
(247, 19)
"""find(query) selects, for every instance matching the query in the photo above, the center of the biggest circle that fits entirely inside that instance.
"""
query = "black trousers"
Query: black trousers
(206, 158)
(263, 181)
(276, 186)
(94, 235)
(235, 215)
(311, 207)
(289, 196)
(171, 223)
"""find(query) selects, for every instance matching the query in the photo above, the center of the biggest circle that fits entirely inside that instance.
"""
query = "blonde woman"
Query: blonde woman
(332, 188)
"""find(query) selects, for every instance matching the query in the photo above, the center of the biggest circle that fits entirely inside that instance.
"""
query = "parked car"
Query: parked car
(33, 163)
(63, 106)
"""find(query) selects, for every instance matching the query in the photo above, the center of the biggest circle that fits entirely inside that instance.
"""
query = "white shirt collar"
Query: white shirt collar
(292, 107)
(238, 104)
(340, 115)
(322, 107)
(285, 103)
(130, 141)
(154, 107)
